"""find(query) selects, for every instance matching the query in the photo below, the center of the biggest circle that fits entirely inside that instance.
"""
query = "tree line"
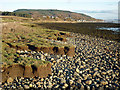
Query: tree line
(16, 14)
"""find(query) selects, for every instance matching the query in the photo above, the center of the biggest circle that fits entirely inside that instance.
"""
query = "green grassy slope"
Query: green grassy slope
(55, 14)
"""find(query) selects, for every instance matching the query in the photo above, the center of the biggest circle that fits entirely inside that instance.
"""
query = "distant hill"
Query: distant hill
(54, 14)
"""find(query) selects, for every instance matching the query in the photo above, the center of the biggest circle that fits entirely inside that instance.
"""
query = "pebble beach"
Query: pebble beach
(95, 65)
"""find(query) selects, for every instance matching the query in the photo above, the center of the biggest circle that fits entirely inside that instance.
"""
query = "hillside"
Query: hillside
(54, 14)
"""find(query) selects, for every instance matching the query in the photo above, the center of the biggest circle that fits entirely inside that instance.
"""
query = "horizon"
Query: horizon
(100, 9)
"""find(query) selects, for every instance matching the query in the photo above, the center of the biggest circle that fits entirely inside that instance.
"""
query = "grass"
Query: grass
(10, 57)
(17, 35)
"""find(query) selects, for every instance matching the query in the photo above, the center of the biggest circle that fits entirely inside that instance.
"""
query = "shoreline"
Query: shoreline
(94, 66)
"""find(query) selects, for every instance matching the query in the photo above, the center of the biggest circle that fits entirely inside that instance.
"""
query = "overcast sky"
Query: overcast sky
(102, 9)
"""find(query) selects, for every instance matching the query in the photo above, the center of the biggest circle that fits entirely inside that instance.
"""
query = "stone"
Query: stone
(96, 69)
(30, 85)
(103, 73)
(56, 86)
(63, 81)
(63, 87)
(42, 79)
(79, 80)
(109, 71)
(71, 82)
(52, 59)
(89, 82)
(80, 72)
(85, 77)
(9, 80)
(66, 85)
(95, 74)
(77, 70)
(18, 51)
(50, 86)
(38, 83)
(61, 75)
(26, 87)
(104, 82)
(60, 71)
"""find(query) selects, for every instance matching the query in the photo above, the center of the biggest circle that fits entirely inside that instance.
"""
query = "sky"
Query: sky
(100, 9)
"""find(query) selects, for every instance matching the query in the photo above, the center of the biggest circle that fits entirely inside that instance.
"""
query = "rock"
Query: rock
(96, 69)
(95, 74)
(50, 86)
(52, 59)
(66, 85)
(103, 73)
(80, 72)
(60, 71)
(89, 82)
(42, 79)
(101, 88)
(30, 85)
(57, 86)
(85, 77)
(77, 70)
(18, 51)
(82, 87)
(97, 85)
(63, 81)
(63, 87)
(61, 75)
(113, 75)
(71, 82)
(42, 56)
(109, 71)
(38, 83)
(104, 82)
(26, 87)
(79, 81)
(9, 80)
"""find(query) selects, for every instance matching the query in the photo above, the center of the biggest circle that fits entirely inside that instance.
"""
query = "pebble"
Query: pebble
(77, 70)
(42, 79)
(104, 82)
(71, 82)
(103, 73)
(95, 74)
(10, 80)
(65, 85)
(89, 82)
(96, 69)
(26, 87)
(30, 85)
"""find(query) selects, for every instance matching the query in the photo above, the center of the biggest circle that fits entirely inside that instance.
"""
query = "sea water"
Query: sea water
(110, 28)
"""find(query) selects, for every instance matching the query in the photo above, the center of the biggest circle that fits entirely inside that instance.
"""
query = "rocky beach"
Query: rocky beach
(95, 65)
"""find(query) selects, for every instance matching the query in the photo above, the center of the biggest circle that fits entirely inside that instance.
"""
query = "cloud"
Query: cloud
(6, 1)
(100, 14)
(98, 11)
